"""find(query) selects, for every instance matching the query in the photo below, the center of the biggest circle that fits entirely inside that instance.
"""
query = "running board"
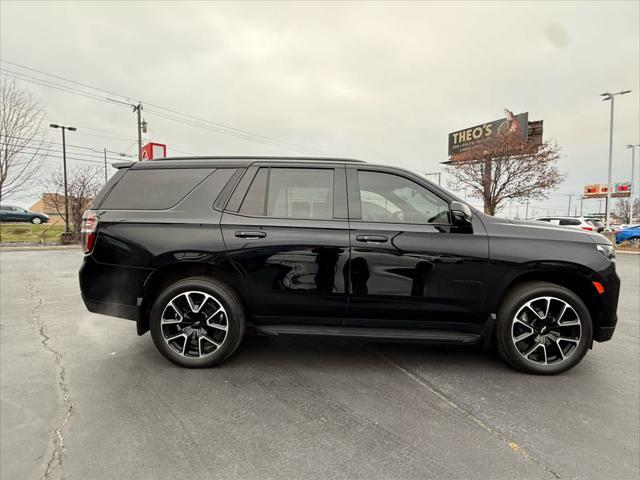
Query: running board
(430, 336)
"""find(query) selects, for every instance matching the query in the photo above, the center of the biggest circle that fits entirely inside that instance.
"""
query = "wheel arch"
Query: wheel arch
(171, 273)
(574, 279)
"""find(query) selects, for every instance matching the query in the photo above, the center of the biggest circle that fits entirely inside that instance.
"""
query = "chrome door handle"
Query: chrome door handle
(371, 238)
(243, 234)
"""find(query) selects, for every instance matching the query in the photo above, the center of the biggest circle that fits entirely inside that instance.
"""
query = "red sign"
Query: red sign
(154, 150)
(623, 187)
(600, 190)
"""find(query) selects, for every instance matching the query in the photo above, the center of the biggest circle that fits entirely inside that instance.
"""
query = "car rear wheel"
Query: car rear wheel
(543, 328)
(197, 322)
(36, 220)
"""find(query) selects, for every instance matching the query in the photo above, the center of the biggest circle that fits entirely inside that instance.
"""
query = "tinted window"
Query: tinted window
(153, 189)
(254, 201)
(389, 198)
(300, 193)
(569, 221)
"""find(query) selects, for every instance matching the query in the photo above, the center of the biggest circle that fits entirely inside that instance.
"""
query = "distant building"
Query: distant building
(47, 205)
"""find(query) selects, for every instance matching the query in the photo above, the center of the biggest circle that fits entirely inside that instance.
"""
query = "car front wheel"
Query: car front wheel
(36, 220)
(197, 322)
(543, 328)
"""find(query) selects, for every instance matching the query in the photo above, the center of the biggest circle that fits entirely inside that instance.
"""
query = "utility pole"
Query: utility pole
(633, 180)
(610, 96)
(64, 166)
(142, 124)
(526, 212)
(138, 108)
(581, 200)
(569, 208)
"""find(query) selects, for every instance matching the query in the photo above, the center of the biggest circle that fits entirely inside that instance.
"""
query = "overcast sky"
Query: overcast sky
(383, 82)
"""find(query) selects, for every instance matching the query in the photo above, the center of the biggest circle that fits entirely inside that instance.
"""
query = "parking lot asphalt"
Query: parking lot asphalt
(83, 397)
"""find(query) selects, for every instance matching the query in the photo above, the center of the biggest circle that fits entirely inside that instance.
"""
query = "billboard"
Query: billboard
(463, 140)
(599, 190)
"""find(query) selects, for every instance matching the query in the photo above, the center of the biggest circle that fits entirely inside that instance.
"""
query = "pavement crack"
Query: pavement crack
(57, 454)
(468, 414)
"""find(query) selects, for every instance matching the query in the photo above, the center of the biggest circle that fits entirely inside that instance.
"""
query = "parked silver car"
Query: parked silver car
(582, 223)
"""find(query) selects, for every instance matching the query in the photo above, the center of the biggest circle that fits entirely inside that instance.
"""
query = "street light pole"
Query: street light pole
(610, 96)
(64, 163)
(633, 180)
(569, 207)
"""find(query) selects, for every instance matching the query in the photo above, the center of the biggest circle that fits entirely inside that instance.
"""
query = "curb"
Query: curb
(36, 248)
(627, 252)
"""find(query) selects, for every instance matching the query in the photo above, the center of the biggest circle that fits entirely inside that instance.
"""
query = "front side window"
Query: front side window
(389, 198)
(300, 193)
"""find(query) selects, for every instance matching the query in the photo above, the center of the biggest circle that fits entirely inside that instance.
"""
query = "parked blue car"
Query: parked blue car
(11, 213)
(629, 234)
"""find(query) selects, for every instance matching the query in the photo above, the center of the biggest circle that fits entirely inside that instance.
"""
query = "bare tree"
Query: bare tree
(83, 183)
(22, 146)
(506, 168)
(622, 209)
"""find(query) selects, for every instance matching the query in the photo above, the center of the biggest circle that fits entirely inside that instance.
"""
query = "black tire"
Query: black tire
(235, 321)
(36, 220)
(514, 301)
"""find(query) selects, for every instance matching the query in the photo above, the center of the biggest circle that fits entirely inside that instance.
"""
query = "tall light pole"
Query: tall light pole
(569, 207)
(610, 96)
(64, 163)
(633, 180)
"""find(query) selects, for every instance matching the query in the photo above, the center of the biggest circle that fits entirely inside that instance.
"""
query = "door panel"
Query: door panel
(421, 273)
(290, 269)
(293, 267)
(406, 272)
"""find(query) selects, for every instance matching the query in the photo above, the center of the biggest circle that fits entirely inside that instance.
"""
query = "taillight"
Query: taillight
(588, 228)
(89, 227)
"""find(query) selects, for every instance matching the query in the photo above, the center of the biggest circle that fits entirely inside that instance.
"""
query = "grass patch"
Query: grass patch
(25, 232)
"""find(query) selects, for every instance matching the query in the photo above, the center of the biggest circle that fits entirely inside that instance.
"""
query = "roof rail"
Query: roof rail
(236, 157)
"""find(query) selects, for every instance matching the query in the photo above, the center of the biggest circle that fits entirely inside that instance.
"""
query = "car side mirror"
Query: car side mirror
(461, 213)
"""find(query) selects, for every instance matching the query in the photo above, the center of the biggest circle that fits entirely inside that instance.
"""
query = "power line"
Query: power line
(46, 83)
(188, 120)
(35, 150)
(214, 129)
(49, 142)
(129, 99)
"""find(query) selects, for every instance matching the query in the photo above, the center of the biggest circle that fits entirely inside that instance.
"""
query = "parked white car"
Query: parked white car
(582, 223)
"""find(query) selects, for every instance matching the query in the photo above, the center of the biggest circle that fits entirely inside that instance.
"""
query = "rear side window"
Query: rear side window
(153, 189)
(254, 201)
(302, 193)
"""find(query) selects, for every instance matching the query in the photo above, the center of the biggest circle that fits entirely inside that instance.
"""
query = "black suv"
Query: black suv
(198, 250)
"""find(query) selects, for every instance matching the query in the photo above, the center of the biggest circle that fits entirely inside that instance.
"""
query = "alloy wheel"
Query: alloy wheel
(194, 324)
(546, 330)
